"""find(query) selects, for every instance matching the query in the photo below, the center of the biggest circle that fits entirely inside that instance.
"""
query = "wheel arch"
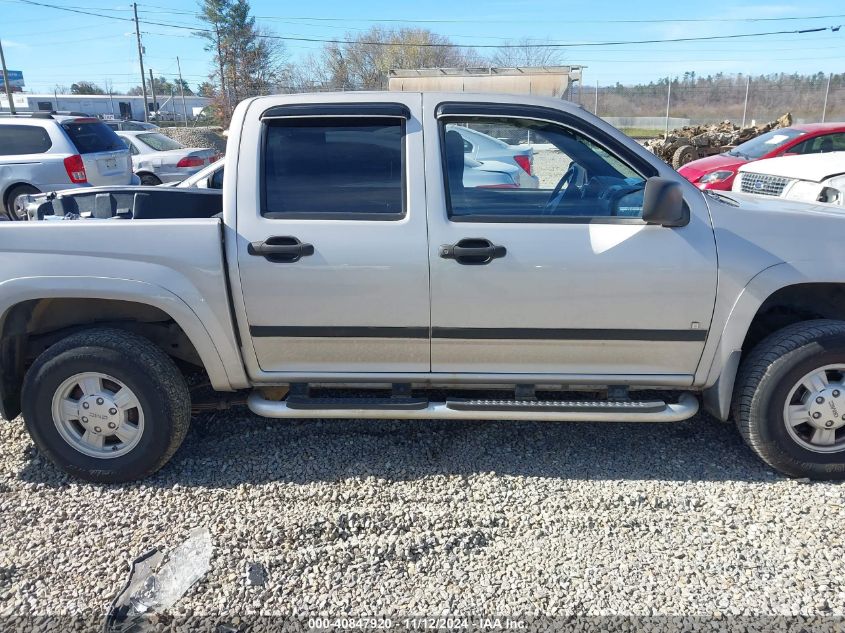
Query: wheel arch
(38, 311)
(146, 172)
(777, 297)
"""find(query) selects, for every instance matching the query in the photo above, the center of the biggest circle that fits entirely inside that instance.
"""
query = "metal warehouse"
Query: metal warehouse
(107, 106)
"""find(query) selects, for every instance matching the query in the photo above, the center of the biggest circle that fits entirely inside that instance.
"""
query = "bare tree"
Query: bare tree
(361, 61)
(527, 52)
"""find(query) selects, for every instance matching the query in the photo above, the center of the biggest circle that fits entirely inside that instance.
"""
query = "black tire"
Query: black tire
(683, 155)
(144, 368)
(763, 384)
(13, 194)
(150, 180)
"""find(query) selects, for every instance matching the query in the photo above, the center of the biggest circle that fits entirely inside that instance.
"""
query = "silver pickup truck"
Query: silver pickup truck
(347, 270)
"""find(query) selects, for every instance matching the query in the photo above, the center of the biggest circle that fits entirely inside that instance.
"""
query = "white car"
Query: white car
(157, 158)
(210, 177)
(47, 152)
(491, 152)
(806, 178)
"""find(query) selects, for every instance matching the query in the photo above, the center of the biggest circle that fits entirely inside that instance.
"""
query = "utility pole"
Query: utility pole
(745, 107)
(6, 81)
(182, 90)
(153, 90)
(596, 109)
(826, 93)
(668, 101)
(141, 60)
(111, 101)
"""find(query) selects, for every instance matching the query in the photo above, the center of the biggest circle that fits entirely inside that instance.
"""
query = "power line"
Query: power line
(452, 45)
(510, 21)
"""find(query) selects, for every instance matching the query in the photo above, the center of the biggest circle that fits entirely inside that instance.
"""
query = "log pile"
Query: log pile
(690, 142)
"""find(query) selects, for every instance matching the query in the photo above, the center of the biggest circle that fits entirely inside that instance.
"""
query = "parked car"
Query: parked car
(484, 148)
(124, 125)
(157, 158)
(491, 174)
(349, 251)
(48, 152)
(719, 171)
(808, 178)
(210, 177)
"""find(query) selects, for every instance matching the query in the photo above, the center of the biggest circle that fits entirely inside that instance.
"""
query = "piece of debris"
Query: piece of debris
(227, 628)
(153, 587)
(256, 575)
(691, 142)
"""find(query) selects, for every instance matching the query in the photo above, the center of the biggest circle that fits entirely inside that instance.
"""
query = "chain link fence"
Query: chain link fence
(649, 109)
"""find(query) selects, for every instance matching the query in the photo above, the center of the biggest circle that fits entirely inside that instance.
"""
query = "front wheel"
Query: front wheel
(106, 406)
(789, 402)
(683, 155)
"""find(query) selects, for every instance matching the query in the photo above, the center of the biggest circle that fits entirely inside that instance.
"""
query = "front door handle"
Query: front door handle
(473, 251)
(282, 249)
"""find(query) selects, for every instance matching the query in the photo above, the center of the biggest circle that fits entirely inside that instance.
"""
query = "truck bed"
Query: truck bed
(124, 203)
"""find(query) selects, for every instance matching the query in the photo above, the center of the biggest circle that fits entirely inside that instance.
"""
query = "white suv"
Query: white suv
(47, 152)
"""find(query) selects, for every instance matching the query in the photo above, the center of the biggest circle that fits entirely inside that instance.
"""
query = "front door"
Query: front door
(564, 278)
(332, 250)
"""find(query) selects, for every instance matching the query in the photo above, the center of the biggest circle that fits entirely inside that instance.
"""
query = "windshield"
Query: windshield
(92, 136)
(215, 169)
(765, 143)
(135, 126)
(159, 142)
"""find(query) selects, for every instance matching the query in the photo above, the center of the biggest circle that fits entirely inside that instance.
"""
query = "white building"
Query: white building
(107, 106)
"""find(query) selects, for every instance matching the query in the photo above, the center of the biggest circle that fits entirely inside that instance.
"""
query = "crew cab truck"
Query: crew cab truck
(352, 273)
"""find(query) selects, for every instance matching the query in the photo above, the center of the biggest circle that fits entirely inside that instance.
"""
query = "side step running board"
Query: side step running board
(598, 406)
(345, 404)
(600, 411)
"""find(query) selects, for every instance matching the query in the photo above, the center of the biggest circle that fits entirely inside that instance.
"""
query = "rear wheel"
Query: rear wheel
(13, 209)
(789, 403)
(150, 180)
(106, 406)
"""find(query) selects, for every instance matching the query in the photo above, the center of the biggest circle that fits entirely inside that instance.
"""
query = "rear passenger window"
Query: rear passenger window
(91, 136)
(23, 139)
(334, 168)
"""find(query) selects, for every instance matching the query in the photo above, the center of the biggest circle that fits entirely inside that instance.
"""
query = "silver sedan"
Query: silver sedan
(157, 158)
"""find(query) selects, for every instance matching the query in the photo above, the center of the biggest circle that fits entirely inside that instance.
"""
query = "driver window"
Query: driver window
(528, 170)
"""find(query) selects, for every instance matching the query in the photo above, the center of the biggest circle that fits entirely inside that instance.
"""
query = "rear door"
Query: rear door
(331, 237)
(104, 155)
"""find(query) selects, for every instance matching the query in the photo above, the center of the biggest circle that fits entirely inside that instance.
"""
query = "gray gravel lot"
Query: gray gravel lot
(427, 518)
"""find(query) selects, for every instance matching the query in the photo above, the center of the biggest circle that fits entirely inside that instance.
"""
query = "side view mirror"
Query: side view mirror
(663, 203)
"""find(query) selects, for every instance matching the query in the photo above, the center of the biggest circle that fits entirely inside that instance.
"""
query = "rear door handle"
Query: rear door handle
(281, 249)
(473, 251)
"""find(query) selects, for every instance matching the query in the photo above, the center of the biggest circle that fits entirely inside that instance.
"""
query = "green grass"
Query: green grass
(641, 132)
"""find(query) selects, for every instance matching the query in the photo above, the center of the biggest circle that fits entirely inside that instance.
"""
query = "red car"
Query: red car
(717, 172)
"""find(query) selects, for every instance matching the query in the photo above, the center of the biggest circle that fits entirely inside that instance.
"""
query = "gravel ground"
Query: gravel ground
(198, 137)
(549, 166)
(429, 518)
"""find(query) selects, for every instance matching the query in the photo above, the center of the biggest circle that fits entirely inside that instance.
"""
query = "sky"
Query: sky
(52, 46)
